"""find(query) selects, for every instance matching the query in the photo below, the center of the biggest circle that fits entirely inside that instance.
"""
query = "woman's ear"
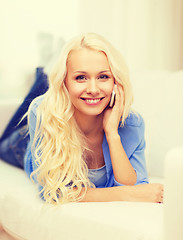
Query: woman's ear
(65, 81)
(64, 85)
(123, 95)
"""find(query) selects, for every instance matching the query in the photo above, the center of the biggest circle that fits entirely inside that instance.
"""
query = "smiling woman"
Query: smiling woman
(89, 81)
(80, 148)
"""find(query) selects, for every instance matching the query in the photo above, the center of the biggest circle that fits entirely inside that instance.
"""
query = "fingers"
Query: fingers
(159, 193)
(119, 101)
(153, 192)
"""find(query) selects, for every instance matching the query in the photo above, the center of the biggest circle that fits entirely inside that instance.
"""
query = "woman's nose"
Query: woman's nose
(92, 87)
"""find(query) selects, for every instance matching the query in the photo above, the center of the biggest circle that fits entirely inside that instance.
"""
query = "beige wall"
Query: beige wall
(149, 33)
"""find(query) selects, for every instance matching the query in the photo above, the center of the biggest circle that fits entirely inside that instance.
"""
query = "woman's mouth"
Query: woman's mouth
(92, 101)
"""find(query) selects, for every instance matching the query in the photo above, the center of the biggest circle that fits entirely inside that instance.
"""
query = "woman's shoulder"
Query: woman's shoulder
(134, 119)
(35, 104)
(133, 128)
(132, 133)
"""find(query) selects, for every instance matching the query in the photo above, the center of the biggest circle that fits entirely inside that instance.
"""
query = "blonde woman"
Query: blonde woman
(85, 144)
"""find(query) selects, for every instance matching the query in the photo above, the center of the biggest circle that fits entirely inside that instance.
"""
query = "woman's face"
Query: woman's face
(89, 81)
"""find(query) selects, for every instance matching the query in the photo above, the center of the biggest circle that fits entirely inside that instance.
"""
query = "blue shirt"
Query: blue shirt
(132, 139)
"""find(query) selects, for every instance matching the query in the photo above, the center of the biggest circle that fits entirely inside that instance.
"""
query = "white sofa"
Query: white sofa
(159, 99)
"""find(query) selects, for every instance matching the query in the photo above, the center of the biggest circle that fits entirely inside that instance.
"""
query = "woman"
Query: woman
(80, 148)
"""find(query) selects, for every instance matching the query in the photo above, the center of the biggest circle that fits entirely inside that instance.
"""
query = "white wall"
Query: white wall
(20, 23)
(149, 33)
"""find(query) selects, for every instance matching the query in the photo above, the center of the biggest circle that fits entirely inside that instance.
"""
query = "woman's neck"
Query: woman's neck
(90, 125)
(92, 128)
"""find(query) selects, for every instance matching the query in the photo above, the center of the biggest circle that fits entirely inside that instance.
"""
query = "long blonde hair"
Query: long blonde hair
(59, 144)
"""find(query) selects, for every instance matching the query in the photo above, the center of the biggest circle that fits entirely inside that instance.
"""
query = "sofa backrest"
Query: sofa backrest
(159, 99)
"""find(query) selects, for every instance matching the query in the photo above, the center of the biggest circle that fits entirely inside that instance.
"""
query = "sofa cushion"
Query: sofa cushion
(25, 216)
(11, 179)
(28, 218)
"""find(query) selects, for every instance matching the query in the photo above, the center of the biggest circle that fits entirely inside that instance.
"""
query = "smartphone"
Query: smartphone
(111, 104)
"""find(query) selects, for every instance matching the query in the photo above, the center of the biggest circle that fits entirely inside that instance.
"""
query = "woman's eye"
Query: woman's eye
(103, 76)
(80, 77)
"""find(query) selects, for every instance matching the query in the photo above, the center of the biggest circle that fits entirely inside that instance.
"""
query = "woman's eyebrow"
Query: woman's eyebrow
(80, 72)
(104, 71)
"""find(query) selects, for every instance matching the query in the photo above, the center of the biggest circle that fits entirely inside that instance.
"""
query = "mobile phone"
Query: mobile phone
(111, 104)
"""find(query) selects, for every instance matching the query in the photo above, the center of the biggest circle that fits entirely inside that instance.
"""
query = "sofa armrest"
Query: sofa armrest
(173, 194)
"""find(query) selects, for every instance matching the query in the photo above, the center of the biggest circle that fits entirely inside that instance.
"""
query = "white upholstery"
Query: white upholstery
(23, 215)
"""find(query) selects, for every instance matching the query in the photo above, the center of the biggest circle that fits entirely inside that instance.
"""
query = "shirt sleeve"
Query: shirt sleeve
(137, 157)
(29, 160)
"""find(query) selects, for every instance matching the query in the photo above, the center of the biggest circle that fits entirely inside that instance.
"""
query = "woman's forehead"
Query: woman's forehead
(86, 58)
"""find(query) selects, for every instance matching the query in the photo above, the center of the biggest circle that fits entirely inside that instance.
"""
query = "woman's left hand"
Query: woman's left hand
(113, 115)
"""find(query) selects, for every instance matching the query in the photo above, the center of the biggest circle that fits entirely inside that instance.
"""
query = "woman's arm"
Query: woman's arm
(124, 172)
(139, 193)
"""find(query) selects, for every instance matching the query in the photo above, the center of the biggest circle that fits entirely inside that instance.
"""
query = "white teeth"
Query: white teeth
(92, 100)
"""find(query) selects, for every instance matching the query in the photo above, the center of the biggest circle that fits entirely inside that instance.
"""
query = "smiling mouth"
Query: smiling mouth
(92, 100)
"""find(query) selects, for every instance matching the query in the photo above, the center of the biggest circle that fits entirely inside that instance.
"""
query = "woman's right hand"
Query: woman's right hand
(152, 192)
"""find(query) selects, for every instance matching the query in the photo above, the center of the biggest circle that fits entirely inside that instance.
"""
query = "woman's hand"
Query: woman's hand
(144, 193)
(113, 115)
